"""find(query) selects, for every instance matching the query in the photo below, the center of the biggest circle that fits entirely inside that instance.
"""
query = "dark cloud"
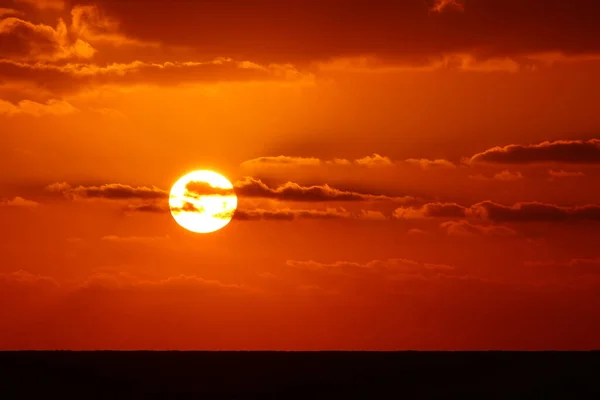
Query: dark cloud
(432, 210)
(290, 191)
(564, 174)
(505, 176)
(25, 279)
(206, 189)
(391, 270)
(561, 151)
(534, 212)
(573, 266)
(24, 40)
(393, 29)
(491, 211)
(74, 77)
(427, 164)
(289, 214)
(113, 191)
(149, 208)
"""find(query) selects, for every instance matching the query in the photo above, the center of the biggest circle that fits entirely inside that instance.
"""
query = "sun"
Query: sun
(202, 201)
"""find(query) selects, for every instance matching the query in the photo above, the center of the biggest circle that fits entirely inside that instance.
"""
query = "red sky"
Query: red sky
(411, 174)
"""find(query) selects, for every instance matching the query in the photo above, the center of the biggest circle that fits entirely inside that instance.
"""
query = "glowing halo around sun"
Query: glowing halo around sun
(202, 201)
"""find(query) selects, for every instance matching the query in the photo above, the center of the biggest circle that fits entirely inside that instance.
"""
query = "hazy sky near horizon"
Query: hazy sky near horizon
(412, 174)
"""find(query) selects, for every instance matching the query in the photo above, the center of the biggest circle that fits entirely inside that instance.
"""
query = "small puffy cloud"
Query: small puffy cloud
(18, 202)
(281, 161)
(557, 152)
(147, 208)
(465, 228)
(564, 174)
(134, 239)
(440, 6)
(426, 164)
(28, 107)
(504, 175)
(374, 160)
(431, 210)
(372, 215)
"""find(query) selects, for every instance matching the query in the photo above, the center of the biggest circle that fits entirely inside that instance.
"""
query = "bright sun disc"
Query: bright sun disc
(202, 201)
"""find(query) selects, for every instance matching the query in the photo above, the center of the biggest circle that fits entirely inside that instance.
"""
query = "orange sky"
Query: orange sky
(439, 165)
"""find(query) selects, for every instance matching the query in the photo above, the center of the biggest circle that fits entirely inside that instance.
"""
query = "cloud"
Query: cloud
(287, 161)
(296, 214)
(450, 61)
(374, 160)
(564, 174)
(18, 202)
(89, 23)
(575, 265)
(396, 268)
(113, 280)
(26, 279)
(426, 164)
(9, 11)
(281, 161)
(28, 107)
(73, 77)
(441, 5)
(288, 214)
(114, 191)
(259, 214)
(248, 187)
(134, 239)
(505, 175)
(290, 191)
(534, 212)
(431, 210)
(491, 211)
(195, 188)
(44, 4)
(465, 228)
(26, 41)
(561, 151)
(149, 208)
